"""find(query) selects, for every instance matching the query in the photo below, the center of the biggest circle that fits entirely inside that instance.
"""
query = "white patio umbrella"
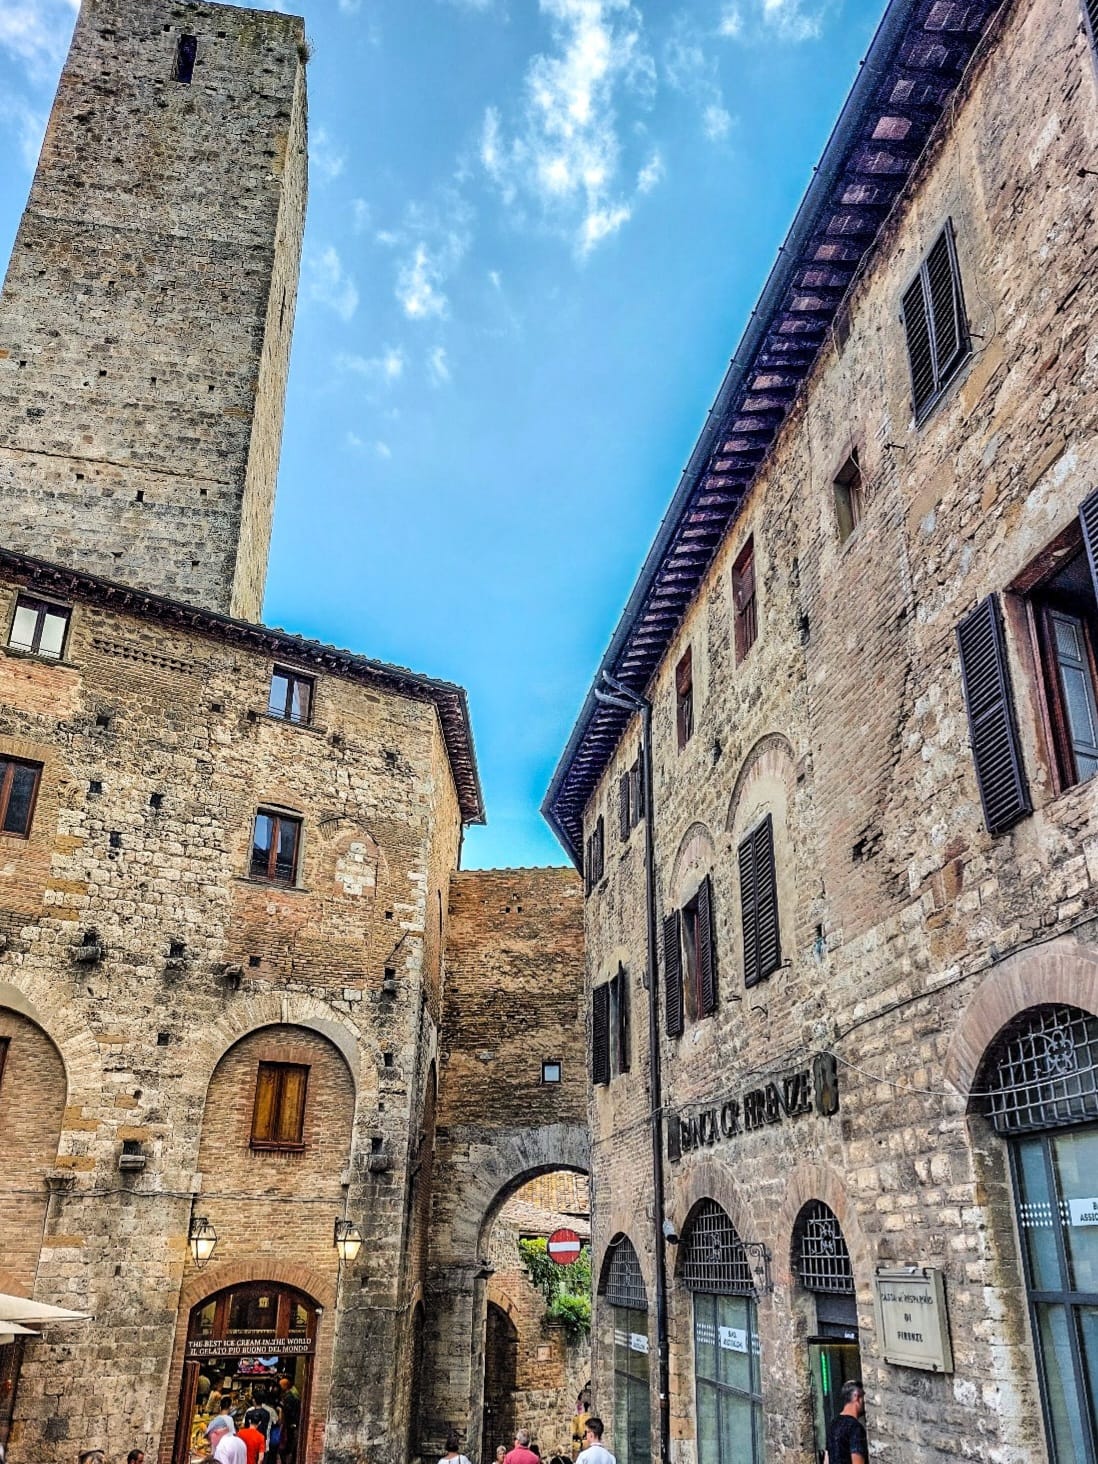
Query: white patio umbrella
(20, 1309)
(10, 1330)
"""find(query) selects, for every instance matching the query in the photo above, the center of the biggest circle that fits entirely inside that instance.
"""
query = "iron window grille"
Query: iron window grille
(624, 1284)
(714, 1258)
(824, 1260)
(1046, 1072)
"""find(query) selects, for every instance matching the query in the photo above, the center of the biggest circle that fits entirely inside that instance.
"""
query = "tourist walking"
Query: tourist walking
(225, 1447)
(846, 1439)
(453, 1454)
(594, 1451)
(522, 1452)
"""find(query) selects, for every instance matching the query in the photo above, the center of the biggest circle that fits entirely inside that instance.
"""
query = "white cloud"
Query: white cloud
(417, 287)
(651, 174)
(360, 215)
(325, 158)
(350, 7)
(384, 368)
(28, 124)
(564, 153)
(716, 121)
(438, 368)
(731, 22)
(383, 449)
(691, 68)
(789, 21)
(36, 34)
(328, 284)
(784, 20)
(495, 279)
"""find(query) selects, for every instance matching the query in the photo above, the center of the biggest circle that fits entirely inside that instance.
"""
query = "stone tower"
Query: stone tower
(146, 316)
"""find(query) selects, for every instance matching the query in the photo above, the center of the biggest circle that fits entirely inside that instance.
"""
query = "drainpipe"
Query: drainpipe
(626, 700)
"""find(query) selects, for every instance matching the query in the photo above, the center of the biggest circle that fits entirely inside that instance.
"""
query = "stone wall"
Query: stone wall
(146, 316)
(845, 722)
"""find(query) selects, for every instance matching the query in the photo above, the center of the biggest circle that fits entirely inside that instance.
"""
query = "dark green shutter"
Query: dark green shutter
(985, 676)
(621, 1036)
(624, 821)
(1088, 519)
(707, 950)
(762, 950)
(600, 1034)
(672, 974)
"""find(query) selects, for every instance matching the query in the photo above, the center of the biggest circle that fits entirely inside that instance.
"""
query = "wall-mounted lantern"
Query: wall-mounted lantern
(202, 1239)
(347, 1239)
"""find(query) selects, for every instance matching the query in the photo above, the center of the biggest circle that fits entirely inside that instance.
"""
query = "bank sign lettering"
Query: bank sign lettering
(912, 1322)
(813, 1089)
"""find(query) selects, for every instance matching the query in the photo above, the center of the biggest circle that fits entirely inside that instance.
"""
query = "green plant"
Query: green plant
(567, 1289)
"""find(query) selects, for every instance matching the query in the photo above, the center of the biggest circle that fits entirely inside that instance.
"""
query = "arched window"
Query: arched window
(727, 1386)
(1040, 1087)
(622, 1285)
(822, 1261)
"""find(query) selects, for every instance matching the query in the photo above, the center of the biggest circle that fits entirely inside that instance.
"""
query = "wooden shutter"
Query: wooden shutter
(291, 1109)
(621, 1036)
(1091, 8)
(1088, 512)
(624, 821)
(944, 291)
(638, 808)
(985, 676)
(266, 1098)
(672, 974)
(766, 896)
(920, 352)
(600, 1034)
(707, 950)
(749, 919)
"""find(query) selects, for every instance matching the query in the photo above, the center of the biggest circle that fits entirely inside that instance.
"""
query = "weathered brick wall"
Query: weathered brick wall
(32, 1102)
(846, 723)
(146, 316)
(138, 709)
(513, 994)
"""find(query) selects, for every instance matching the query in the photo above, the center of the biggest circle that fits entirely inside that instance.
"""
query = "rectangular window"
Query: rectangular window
(594, 862)
(762, 950)
(849, 497)
(291, 696)
(636, 787)
(625, 811)
(4, 1042)
(619, 1022)
(934, 322)
(186, 53)
(39, 627)
(278, 1118)
(684, 698)
(744, 602)
(600, 1034)
(18, 791)
(275, 844)
(551, 1070)
(690, 961)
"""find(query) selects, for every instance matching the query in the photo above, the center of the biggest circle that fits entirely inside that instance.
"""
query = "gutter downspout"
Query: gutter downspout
(621, 697)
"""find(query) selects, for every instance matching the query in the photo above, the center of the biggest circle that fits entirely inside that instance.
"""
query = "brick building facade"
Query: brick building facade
(866, 638)
(227, 853)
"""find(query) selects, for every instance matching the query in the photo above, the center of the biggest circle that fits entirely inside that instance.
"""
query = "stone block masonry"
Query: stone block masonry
(146, 316)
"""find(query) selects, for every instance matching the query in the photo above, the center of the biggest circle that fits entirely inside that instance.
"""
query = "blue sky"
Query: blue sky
(536, 229)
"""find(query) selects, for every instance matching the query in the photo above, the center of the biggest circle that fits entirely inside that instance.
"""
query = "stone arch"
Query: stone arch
(360, 1048)
(709, 1179)
(810, 1182)
(1063, 971)
(65, 1028)
(772, 755)
(697, 853)
(507, 1167)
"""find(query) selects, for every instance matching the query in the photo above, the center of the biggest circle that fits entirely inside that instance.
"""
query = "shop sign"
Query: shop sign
(1083, 1212)
(732, 1339)
(813, 1089)
(248, 1347)
(911, 1317)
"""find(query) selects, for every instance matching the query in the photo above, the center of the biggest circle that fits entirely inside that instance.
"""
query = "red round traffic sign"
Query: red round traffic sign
(564, 1247)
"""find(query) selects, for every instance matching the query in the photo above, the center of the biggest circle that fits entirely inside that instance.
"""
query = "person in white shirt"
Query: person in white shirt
(594, 1451)
(225, 1447)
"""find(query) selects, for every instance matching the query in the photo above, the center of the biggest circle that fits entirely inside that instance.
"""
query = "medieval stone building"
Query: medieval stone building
(833, 794)
(228, 855)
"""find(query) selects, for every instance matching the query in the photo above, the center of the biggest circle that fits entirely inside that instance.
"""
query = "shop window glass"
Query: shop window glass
(253, 1311)
(622, 1286)
(278, 1119)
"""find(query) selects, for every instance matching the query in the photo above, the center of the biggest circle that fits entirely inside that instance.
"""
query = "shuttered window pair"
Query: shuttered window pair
(934, 321)
(610, 1028)
(1064, 618)
(684, 698)
(595, 858)
(278, 1117)
(630, 799)
(762, 948)
(690, 961)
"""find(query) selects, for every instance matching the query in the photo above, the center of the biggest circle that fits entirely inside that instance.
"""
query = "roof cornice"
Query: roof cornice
(910, 72)
(450, 701)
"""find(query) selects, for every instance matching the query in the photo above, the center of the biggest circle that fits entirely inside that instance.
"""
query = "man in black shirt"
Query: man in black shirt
(846, 1440)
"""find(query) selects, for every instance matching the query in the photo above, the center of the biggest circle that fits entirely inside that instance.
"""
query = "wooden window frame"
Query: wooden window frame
(594, 863)
(293, 678)
(42, 608)
(619, 1022)
(278, 1071)
(684, 698)
(278, 818)
(759, 963)
(7, 777)
(919, 293)
(745, 600)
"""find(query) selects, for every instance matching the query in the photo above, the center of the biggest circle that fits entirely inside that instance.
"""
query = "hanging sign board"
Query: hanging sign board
(262, 1346)
(912, 1322)
(564, 1247)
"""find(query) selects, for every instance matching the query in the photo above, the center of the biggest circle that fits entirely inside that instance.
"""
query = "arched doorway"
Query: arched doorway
(1038, 1085)
(501, 1341)
(622, 1284)
(249, 1347)
(822, 1262)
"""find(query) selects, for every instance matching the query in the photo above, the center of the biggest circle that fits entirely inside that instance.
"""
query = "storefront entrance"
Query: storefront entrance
(823, 1265)
(249, 1348)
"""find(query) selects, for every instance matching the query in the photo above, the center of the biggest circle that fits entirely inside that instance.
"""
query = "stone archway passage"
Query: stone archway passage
(500, 1379)
(250, 1350)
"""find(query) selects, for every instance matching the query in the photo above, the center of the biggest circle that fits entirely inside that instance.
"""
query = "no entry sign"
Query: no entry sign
(564, 1247)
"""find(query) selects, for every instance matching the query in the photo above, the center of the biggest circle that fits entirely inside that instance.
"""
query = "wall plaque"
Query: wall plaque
(912, 1322)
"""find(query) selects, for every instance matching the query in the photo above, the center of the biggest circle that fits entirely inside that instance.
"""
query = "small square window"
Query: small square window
(278, 1116)
(39, 627)
(291, 696)
(551, 1070)
(849, 497)
(276, 840)
(744, 601)
(18, 791)
(684, 698)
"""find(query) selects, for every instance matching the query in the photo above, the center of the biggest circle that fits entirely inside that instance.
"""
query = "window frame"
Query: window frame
(292, 678)
(745, 600)
(5, 1044)
(7, 778)
(759, 964)
(186, 59)
(942, 374)
(848, 491)
(279, 1070)
(684, 697)
(42, 608)
(279, 817)
(552, 1062)
(594, 862)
